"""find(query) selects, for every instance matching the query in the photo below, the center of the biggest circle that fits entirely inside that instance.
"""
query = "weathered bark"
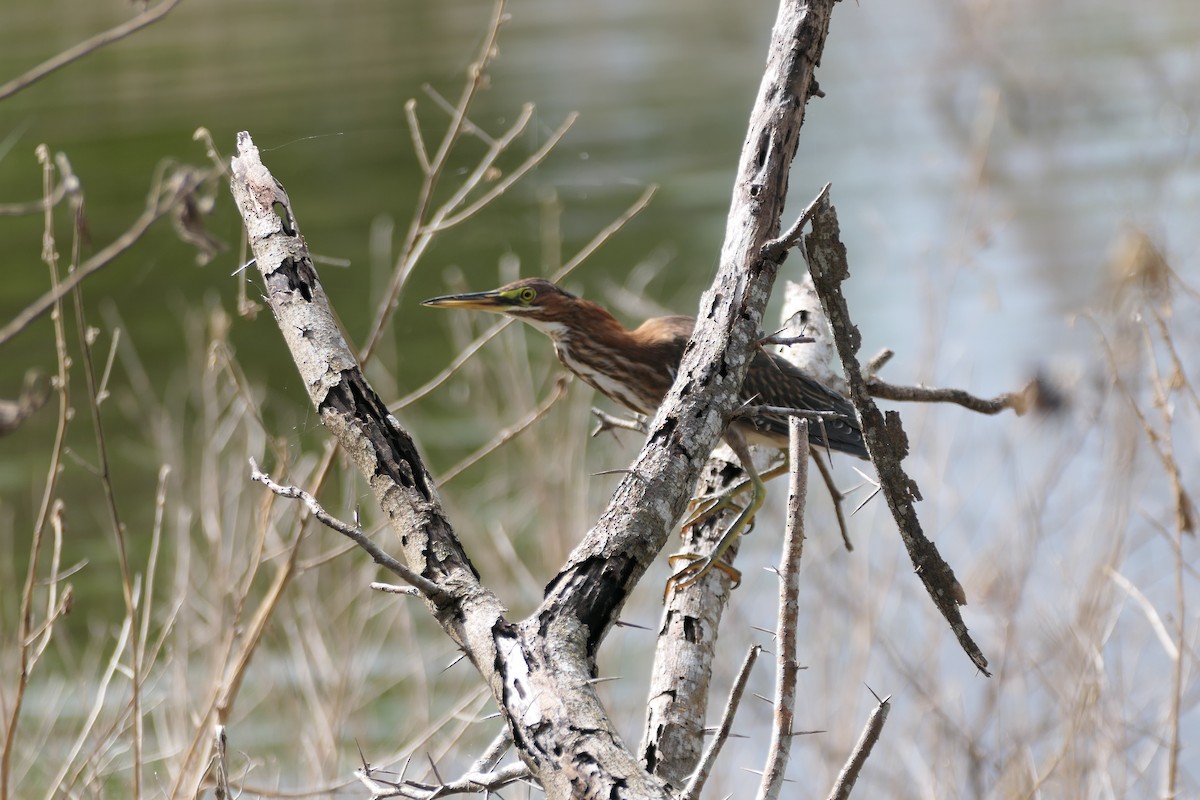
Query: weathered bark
(731, 311)
(884, 434)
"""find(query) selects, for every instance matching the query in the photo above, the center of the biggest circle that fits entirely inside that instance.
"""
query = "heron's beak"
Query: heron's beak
(483, 301)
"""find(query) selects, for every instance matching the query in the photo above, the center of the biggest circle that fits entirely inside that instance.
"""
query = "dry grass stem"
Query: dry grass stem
(506, 435)
(94, 398)
(49, 505)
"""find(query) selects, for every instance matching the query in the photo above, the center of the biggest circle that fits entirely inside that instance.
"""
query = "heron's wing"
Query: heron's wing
(775, 381)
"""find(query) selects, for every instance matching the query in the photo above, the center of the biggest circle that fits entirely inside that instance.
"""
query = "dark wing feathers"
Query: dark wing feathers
(775, 381)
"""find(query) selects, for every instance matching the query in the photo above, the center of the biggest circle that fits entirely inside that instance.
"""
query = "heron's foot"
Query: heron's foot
(707, 506)
(695, 569)
(698, 566)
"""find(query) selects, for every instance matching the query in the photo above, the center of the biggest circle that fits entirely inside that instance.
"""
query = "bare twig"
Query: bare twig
(789, 613)
(414, 129)
(418, 238)
(34, 206)
(352, 532)
(115, 34)
(110, 499)
(98, 705)
(469, 783)
(503, 185)
(1155, 620)
(55, 607)
(696, 784)
(775, 249)
(454, 366)
(445, 105)
(49, 505)
(495, 751)
(835, 494)
(785, 341)
(156, 209)
(611, 422)
(484, 168)
(877, 362)
(923, 394)
(870, 735)
(391, 588)
(751, 410)
(1159, 443)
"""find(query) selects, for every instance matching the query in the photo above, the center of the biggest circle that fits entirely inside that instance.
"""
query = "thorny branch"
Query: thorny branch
(352, 532)
(522, 663)
(862, 749)
(884, 435)
(786, 667)
(696, 784)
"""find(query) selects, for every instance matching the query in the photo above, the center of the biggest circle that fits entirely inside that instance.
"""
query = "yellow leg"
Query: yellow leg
(709, 505)
(698, 566)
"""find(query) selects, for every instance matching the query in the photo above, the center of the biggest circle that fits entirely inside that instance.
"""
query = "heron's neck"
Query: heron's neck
(587, 327)
(596, 347)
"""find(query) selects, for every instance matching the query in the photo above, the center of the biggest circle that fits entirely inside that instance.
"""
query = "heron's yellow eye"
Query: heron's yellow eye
(527, 294)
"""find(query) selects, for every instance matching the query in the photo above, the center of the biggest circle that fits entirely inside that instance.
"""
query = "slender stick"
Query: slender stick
(696, 784)
(49, 504)
(789, 614)
(352, 532)
(870, 735)
(156, 209)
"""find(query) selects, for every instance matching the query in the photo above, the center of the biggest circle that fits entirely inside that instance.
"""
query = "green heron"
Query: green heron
(636, 368)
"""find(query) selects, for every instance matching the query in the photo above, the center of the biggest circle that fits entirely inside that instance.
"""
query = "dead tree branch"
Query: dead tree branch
(884, 435)
(534, 669)
(926, 394)
(730, 312)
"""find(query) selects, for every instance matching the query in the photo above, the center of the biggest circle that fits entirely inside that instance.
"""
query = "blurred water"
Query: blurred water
(983, 159)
